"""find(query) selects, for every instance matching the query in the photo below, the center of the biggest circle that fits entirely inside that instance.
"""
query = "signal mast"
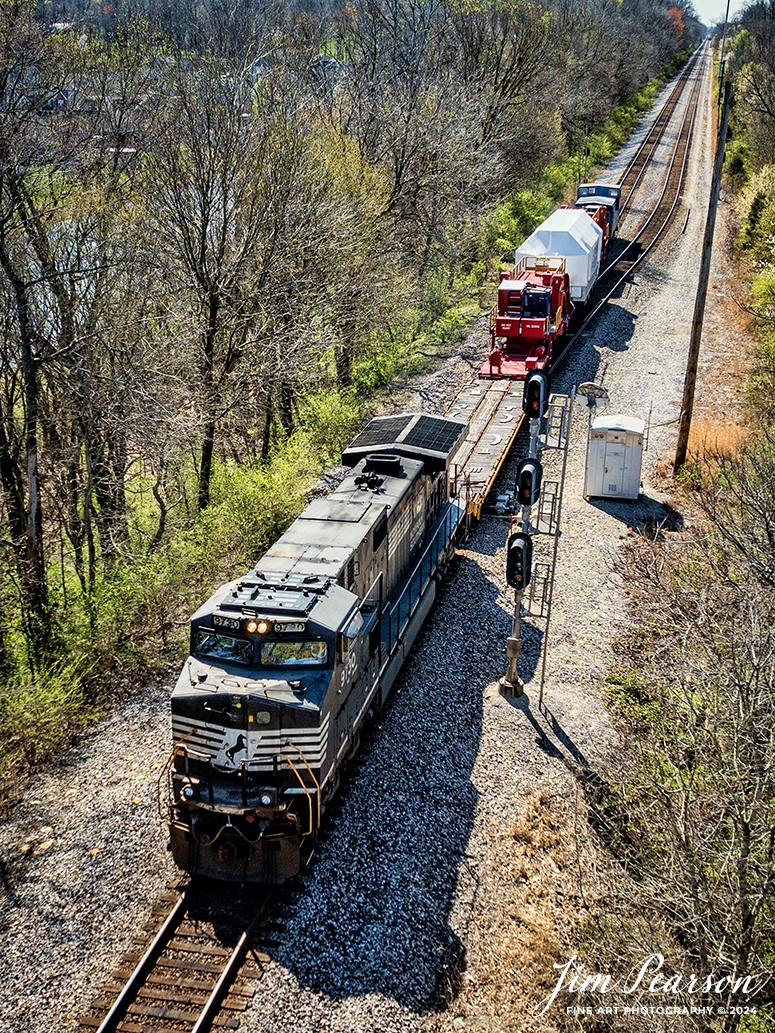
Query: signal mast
(519, 550)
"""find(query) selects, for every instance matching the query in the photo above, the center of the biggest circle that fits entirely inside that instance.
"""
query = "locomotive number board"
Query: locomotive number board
(298, 627)
(232, 623)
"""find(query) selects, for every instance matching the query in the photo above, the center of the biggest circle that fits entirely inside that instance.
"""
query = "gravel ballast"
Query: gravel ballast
(401, 884)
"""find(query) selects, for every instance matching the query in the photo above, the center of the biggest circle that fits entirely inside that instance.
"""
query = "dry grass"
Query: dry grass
(533, 908)
(716, 440)
(710, 443)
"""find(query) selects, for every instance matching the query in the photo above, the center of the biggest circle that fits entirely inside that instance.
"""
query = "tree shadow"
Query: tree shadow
(607, 813)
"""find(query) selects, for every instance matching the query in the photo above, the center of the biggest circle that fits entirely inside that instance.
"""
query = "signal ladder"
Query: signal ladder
(541, 514)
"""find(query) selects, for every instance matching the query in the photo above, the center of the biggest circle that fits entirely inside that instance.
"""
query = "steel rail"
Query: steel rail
(230, 971)
(146, 964)
(124, 1009)
(493, 385)
(684, 137)
(656, 133)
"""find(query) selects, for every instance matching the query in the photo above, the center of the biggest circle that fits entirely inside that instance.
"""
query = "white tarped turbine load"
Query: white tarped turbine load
(571, 234)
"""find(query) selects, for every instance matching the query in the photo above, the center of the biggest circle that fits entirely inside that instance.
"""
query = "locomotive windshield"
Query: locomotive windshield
(214, 645)
(288, 653)
(535, 304)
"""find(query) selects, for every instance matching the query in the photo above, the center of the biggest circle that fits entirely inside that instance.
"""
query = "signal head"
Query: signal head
(529, 474)
(535, 397)
(519, 559)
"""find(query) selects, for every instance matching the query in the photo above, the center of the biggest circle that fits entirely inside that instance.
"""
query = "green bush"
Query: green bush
(632, 697)
(737, 163)
(386, 357)
(329, 419)
(757, 234)
(39, 714)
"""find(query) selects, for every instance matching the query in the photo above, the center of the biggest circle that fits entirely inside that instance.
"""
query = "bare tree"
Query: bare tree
(62, 180)
(700, 795)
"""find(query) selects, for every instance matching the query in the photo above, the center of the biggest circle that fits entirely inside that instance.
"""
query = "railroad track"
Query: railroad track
(632, 175)
(493, 409)
(193, 969)
(653, 228)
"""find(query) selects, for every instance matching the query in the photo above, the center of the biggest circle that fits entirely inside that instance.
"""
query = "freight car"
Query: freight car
(554, 271)
(288, 663)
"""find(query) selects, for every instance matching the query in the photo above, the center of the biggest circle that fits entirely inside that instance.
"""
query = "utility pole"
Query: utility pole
(690, 381)
(721, 59)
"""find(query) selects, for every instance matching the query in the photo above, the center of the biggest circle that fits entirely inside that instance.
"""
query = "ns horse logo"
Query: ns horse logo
(234, 748)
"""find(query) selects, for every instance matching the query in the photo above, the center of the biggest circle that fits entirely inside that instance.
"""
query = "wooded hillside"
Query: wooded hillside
(219, 229)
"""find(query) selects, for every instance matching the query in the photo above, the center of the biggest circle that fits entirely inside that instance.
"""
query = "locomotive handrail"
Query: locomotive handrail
(165, 775)
(304, 786)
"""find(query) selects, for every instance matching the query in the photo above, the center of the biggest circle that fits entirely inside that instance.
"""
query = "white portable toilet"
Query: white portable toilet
(614, 457)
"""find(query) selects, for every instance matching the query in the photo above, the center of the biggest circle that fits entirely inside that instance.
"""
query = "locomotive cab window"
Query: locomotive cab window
(536, 304)
(217, 646)
(286, 653)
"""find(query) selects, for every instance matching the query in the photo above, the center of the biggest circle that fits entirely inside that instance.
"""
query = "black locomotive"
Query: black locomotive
(289, 662)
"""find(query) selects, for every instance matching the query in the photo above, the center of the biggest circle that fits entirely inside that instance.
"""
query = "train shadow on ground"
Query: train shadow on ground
(618, 329)
(611, 330)
(373, 916)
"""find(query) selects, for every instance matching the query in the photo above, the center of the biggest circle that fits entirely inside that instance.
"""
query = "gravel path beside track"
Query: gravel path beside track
(403, 882)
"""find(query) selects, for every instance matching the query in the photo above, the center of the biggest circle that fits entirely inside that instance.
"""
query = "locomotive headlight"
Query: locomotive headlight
(257, 626)
(188, 791)
(266, 799)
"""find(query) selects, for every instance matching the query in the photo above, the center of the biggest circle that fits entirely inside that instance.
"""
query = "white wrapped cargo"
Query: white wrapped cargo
(568, 233)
